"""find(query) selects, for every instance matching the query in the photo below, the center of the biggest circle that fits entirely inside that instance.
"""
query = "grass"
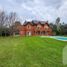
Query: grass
(31, 52)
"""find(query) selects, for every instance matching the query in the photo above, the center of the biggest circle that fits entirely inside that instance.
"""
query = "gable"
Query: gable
(46, 26)
(28, 26)
(39, 25)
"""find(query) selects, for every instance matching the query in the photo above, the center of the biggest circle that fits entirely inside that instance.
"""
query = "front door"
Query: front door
(29, 33)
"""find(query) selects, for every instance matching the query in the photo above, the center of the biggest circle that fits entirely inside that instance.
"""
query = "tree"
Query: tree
(2, 22)
(57, 20)
(58, 26)
(16, 27)
(11, 21)
(7, 21)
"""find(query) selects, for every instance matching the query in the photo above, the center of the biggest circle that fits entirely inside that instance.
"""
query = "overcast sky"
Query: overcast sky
(37, 9)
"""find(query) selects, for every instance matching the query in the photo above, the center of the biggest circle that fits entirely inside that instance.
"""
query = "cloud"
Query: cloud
(1, 8)
(40, 11)
(26, 7)
(37, 9)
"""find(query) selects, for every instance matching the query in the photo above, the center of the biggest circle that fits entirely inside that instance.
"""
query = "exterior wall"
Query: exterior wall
(35, 30)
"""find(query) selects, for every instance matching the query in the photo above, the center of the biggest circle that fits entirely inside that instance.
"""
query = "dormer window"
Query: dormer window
(38, 26)
(28, 27)
(46, 27)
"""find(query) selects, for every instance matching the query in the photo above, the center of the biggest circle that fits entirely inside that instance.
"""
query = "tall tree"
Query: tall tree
(7, 22)
(57, 20)
(58, 25)
(2, 21)
(11, 21)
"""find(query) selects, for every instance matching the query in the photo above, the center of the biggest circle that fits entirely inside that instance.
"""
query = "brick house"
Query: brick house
(35, 28)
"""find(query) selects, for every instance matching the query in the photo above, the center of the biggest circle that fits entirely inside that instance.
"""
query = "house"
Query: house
(35, 28)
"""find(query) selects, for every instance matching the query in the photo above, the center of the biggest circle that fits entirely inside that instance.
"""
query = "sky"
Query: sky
(36, 9)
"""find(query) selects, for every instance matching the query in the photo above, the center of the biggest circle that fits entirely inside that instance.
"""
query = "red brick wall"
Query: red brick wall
(33, 29)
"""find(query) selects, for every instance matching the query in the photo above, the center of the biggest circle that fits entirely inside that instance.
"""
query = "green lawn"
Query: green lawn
(31, 52)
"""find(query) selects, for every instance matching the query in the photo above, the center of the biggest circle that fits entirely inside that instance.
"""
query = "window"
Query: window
(28, 27)
(38, 32)
(43, 32)
(46, 27)
(38, 26)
